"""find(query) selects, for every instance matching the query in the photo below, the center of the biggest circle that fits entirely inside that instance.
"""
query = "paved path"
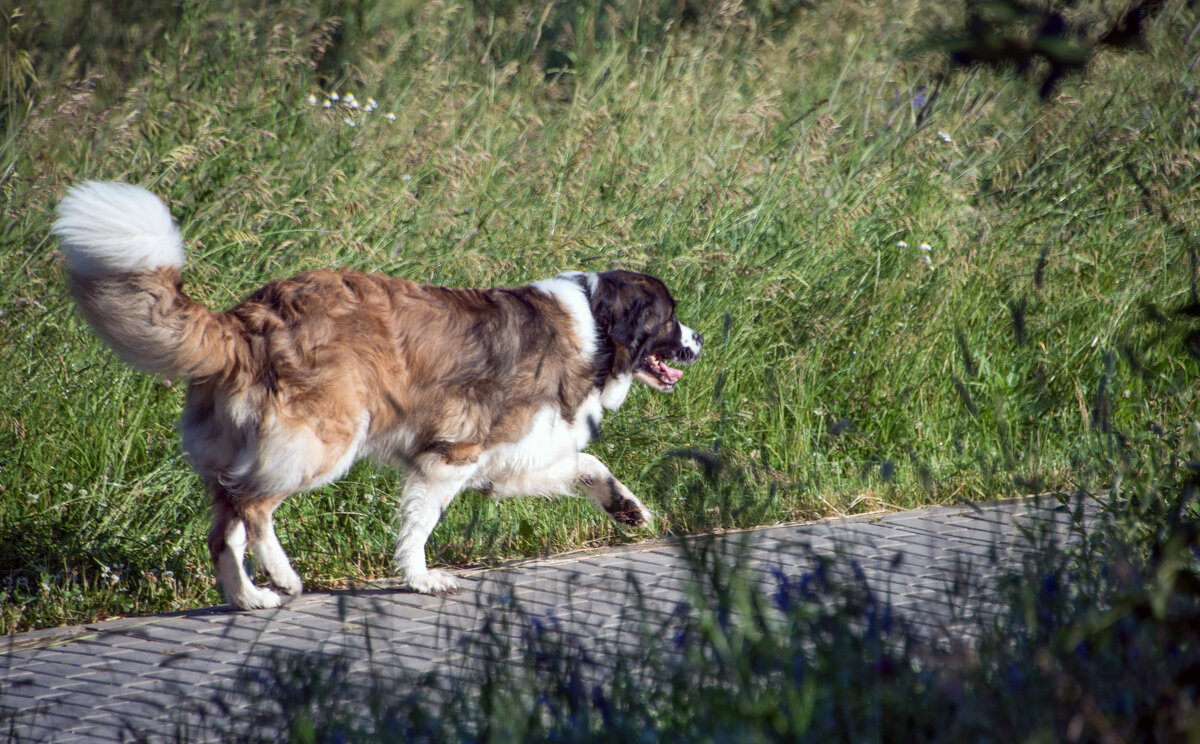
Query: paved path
(101, 682)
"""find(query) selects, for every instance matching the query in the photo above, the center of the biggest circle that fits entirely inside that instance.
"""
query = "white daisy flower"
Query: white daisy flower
(945, 137)
(391, 116)
(328, 103)
(312, 99)
(901, 244)
(349, 122)
(925, 246)
(334, 96)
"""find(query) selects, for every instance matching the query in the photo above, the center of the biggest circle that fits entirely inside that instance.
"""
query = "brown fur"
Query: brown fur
(462, 369)
(153, 325)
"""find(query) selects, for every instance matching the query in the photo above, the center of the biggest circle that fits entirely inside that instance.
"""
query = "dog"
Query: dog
(497, 390)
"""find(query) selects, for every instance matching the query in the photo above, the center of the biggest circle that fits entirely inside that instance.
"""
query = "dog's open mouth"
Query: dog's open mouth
(658, 374)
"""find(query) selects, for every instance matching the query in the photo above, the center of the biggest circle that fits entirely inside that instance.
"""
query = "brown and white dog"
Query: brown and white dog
(490, 389)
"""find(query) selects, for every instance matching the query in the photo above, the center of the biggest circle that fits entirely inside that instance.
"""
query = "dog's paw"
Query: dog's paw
(255, 598)
(432, 582)
(290, 586)
(628, 510)
(286, 582)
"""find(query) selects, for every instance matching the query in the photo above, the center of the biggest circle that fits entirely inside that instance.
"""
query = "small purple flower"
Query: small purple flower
(919, 99)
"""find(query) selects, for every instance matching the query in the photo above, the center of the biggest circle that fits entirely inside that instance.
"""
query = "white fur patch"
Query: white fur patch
(616, 388)
(293, 459)
(549, 440)
(573, 299)
(689, 339)
(229, 564)
(239, 590)
(273, 458)
(545, 461)
(426, 496)
(269, 554)
(116, 228)
(590, 277)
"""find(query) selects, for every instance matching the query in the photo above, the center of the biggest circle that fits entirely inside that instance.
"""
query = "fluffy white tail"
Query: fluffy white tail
(124, 260)
(116, 228)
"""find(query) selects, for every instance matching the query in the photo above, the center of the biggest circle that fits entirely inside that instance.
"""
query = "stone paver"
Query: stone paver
(100, 682)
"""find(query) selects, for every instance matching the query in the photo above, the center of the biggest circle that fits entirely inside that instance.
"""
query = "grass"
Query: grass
(782, 167)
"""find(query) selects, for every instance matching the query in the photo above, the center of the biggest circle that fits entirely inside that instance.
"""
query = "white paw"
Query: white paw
(432, 582)
(288, 584)
(254, 598)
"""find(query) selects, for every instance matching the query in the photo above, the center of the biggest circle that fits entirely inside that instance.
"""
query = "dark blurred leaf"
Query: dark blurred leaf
(964, 394)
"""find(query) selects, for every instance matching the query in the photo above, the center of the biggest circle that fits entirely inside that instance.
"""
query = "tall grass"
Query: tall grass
(914, 289)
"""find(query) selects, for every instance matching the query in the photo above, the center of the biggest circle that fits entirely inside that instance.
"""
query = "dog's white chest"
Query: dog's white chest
(551, 440)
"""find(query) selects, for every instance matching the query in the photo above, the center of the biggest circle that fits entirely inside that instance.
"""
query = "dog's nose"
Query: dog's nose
(690, 343)
(691, 349)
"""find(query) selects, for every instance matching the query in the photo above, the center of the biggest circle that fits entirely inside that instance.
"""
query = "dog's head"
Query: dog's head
(638, 331)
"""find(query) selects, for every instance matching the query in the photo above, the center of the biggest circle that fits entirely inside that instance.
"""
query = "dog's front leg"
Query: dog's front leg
(610, 494)
(426, 496)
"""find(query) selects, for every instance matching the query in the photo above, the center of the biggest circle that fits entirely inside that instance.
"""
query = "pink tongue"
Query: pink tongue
(668, 374)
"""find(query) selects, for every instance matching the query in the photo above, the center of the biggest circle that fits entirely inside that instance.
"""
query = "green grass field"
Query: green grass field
(914, 289)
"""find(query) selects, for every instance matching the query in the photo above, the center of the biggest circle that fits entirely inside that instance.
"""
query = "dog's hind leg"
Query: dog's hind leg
(260, 533)
(227, 546)
(426, 496)
(610, 494)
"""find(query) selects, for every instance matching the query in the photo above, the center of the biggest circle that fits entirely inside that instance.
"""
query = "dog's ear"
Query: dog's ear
(619, 303)
(627, 327)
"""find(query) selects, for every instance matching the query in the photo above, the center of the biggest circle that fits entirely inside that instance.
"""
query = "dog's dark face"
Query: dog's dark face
(635, 314)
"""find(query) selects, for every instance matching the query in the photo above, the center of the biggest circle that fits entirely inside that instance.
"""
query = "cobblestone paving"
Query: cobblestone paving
(108, 681)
